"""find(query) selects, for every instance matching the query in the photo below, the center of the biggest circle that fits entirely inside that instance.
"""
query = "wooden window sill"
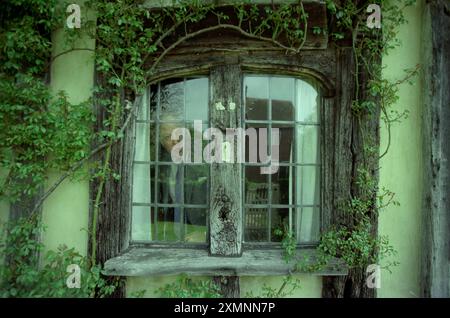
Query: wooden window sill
(170, 261)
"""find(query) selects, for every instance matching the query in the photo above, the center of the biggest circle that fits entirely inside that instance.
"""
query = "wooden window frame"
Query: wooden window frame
(240, 122)
(328, 67)
(331, 66)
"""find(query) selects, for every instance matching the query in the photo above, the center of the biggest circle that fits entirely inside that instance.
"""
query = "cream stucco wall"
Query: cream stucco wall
(401, 168)
(66, 211)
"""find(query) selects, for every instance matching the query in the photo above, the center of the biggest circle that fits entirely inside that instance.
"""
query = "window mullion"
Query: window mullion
(226, 178)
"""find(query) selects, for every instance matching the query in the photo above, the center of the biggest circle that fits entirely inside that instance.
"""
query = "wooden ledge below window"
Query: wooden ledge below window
(169, 261)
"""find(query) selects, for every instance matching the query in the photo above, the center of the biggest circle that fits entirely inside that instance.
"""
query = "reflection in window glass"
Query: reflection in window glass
(256, 92)
(286, 147)
(256, 225)
(196, 184)
(166, 143)
(279, 222)
(282, 98)
(170, 201)
(256, 186)
(171, 101)
(197, 99)
(282, 186)
(195, 229)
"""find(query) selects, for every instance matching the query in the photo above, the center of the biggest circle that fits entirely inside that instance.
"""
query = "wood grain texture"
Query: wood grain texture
(227, 39)
(435, 267)
(197, 262)
(114, 215)
(229, 286)
(351, 135)
(226, 178)
(320, 65)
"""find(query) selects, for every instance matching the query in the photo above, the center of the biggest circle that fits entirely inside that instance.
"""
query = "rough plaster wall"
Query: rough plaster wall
(66, 211)
(401, 169)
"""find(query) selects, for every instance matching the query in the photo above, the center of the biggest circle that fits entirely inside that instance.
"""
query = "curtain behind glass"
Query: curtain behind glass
(141, 218)
(308, 177)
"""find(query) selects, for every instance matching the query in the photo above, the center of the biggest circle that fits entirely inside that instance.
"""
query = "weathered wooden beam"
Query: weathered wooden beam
(351, 135)
(114, 214)
(338, 159)
(228, 286)
(320, 65)
(197, 262)
(226, 178)
(317, 18)
(435, 271)
(223, 38)
(165, 3)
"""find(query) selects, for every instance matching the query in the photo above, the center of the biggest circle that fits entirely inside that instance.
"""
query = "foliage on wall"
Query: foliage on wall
(40, 130)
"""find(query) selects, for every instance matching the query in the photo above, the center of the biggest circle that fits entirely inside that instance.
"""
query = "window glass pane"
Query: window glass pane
(280, 221)
(197, 99)
(308, 193)
(283, 186)
(153, 99)
(257, 146)
(140, 223)
(256, 225)
(165, 139)
(168, 226)
(262, 225)
(290, 100)
(142, 183)
(170, 184)
(196, 184)
(142, 150)
(153, 142)
(286, 142)
(307, 102)
(171, 104)
(196, 134)
(172, 99)
(256, 186)
(308, 224)
(256, 92)
(282, 96)
(308, 144)
(196, 225)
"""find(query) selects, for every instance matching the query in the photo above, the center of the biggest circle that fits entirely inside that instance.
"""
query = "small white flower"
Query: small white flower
(219, 106)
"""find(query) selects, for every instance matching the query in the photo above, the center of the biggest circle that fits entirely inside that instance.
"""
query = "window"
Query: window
(171, 202)
(163, 218)
(290, 197)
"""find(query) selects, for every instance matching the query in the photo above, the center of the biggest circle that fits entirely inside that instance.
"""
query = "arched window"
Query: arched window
(288, 114)
(171, 200)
